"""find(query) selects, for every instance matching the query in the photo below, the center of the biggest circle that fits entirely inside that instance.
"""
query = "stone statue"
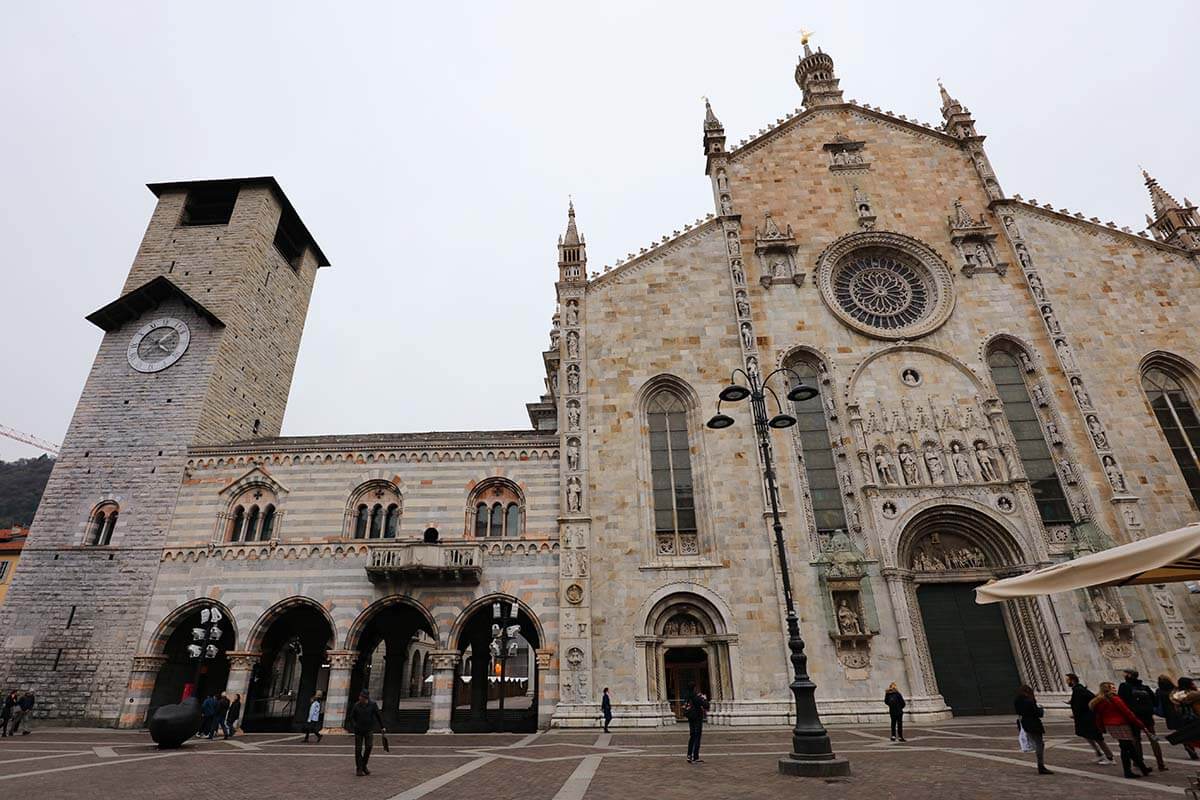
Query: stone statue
(1081, 395)
(983, 257)
(572, 416)
(883, 465)
(722, 180)
(752, 366)
(573, 454)
(1105, 610)
(1097, 431)
(1051, 320)
(1052, 433)
(574, 494)
(1026, 362)
(778, 268)
(987, 465)
(962, 464)
(933, 461)
(572, 313)
(1011, 225)
(1068, 471)
(572, 345)
(910, 377)
(839, 158)
(1027, 263)
(735, 247)
(743, 305)
(726, 204)
(1114, 474)
(1039, 395)
(908, 466)
(572, 379)
(848, 620)
(747, 336)
(1064, 353)
(739, 277)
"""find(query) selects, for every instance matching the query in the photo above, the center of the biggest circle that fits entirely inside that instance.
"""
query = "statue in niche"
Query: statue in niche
(830, 405)
(739, 277)
(962, 464)
(864, 462)
(1004, 504)
(1105, 610)
(848, 620)
(1052, 433)
(1097, 431)
(1068, 471)
(839, 158)
(1162, 596)
(573, 454)
(987, 464)
(1081, 395)
(1027, 263)
(752, 367)
(778, 268)
(1035, 283)
(883, 465)
(735, 246)
(1114, 474)
(1039, 395)
(822, 372)
(1010, 225)
(933, 462)
(1025, 361)
(747, 336)
(726, 204)
(1064, 353)
(983, 258)
(572, 379)
(910, 377)
(572, 313)
(572, 416)
(743, 305)
(574, 494)
(572, 345)
(908, 466)
(1131, 516)
(722, 181)
(555, 333)
(1051, 320)
(554, 381)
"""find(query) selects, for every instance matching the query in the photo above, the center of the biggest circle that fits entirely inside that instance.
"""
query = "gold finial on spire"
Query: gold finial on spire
(805, 36)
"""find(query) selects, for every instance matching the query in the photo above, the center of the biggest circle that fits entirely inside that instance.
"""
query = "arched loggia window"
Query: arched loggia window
(1168, 391)
(252, 516)
(374, 511)
(495, 508)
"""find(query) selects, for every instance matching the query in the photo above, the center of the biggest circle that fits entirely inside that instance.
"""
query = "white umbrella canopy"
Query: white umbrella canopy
(1165, 558)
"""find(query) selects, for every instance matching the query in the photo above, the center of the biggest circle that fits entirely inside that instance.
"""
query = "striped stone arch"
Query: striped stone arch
(255, 639)
(158, 643)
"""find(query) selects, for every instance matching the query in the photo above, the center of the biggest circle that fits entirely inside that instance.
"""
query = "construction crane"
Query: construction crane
(28, 438)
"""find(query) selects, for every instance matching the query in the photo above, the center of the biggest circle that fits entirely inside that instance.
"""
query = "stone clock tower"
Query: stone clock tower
(198, 349)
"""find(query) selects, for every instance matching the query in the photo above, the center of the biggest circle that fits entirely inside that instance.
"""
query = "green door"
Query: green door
(972, 657)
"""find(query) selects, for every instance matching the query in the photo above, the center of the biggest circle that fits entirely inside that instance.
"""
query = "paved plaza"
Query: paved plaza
(967, 758)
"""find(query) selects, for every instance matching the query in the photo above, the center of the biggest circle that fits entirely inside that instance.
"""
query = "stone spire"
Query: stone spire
(958, 119)
(815, 76)
(714, 133)
(572, 250)
(1172, 223)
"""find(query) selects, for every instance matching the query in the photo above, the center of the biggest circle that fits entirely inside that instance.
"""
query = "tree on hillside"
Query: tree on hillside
(21, 485)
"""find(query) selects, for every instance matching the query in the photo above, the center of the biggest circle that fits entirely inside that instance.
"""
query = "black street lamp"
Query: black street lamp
(812, 754)
(504, 644)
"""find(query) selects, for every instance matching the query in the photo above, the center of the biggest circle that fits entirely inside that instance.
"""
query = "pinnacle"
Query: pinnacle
(710, 119)
(571, 237)
(1159, 197)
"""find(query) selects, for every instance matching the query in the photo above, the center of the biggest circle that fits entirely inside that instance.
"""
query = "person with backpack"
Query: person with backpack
(695, 709)
(1187, 699)
(1140, 699)
(1113, 716)
(895, 703)
(1173, 716)
(1085, 720)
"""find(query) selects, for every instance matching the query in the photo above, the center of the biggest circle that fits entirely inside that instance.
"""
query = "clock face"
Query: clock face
(158, 344)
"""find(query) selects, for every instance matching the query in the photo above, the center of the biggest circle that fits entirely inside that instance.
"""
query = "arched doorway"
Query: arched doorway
(689, 647)
(481, 680)
(969, 652)
(393, 638)
(178, 673)
(293, 637)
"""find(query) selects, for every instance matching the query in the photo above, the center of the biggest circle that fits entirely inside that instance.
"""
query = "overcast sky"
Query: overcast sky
(431, 148)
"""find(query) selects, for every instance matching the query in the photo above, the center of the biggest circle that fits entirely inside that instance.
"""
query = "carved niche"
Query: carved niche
(947, 552)
(776, 252)
(846, 155)
(847, 599)
(975, 243)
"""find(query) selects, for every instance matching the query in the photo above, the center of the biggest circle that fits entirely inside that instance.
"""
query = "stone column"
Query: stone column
(905, 611)
(241, 666)
(445, 663)
(141, 688)
(341, 665)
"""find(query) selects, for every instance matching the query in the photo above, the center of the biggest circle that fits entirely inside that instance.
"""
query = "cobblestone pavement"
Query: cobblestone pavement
(971, 758)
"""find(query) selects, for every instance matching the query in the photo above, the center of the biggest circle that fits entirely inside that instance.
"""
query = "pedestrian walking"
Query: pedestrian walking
(208, 716)
(22, 711)
(1113, 716)
(364, 720)
(695, 709)
(313, 725)
(1171, 713)
(235, 711)
(223, 716)
(1030, 715)
(895, 703)
(606, 709)
(6, 711)
(1140, 699)
(1187, 699)
(1085, 720)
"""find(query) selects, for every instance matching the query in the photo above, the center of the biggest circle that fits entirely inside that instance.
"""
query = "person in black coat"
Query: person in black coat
(1085, 720)
(10, 702)
(1030, 719)
(1166, 708)
(1141, 701)
(695, 709)
(895, 703)
(364, 720)
(606, 709)
(235, 711)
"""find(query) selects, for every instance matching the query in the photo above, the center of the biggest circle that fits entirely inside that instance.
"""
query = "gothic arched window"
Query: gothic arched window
(101, 524)
(671, 475)
(1176, 414)
(252, 516)
(373, 511)
(1030, 439)
(495, 508)
(812, 430)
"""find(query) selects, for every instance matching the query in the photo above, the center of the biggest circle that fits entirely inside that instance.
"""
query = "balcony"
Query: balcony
(423, 562)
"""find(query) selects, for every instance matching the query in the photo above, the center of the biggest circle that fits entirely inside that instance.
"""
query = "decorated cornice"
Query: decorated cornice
(238, 456)
(339, 549)
(654, 253)
(1092, 225)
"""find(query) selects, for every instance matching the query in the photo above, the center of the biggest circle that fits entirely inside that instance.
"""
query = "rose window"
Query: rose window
(881, 290)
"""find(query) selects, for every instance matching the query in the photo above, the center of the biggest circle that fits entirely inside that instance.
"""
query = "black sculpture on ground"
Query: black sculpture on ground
(174, 724)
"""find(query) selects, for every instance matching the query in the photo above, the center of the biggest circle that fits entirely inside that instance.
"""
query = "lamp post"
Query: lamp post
(812, 754)
(505, 630)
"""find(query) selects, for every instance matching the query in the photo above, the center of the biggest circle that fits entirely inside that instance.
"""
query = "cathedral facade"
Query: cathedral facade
(998, 385)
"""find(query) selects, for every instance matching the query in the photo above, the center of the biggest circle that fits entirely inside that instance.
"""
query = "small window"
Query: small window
(289, 239)
(495, 509)
(209, 205)
(4, 570)
(101, 524)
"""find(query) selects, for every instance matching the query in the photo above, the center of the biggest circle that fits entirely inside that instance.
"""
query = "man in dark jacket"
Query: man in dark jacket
(208, 715)
(221, 721)
(1140, 699)
(606, 709)
(6, 711)
(695, 709)
(364, 720)
(21, 714)
(1085, 720)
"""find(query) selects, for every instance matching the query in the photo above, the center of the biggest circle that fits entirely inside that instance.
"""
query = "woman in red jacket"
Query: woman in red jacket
(1113, 716)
